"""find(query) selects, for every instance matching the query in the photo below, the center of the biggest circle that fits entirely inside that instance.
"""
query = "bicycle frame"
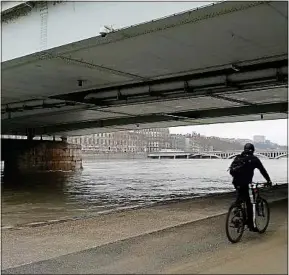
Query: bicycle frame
(240, 206)
(254, 193)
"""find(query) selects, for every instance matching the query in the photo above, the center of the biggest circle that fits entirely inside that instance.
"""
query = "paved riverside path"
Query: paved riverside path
(190, 247)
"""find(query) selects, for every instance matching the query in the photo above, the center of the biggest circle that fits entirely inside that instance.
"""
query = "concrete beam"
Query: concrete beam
(7, 6)
(152, 118)
(260, 74)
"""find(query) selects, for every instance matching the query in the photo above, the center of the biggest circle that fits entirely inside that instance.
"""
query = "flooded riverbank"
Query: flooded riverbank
(108, 185)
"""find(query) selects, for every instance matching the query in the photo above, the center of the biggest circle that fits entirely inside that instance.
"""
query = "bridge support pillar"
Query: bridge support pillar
(30, 133)
(29, 156)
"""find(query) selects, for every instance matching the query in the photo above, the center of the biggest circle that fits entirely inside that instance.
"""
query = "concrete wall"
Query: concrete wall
(52, 24)
(26, 156)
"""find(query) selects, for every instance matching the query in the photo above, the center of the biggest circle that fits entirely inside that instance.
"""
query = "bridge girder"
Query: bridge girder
(262, 154)
(281, 156)
(207, 155)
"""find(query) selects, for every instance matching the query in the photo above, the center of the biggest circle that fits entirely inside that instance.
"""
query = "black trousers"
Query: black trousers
(243, 195)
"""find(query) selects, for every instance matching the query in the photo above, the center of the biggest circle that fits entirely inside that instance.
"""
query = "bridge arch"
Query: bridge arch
(282, 156)
(257, 154)
(205, 155)
(232, 156)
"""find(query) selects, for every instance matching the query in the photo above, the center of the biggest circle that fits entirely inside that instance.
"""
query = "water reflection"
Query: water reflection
(39, 187)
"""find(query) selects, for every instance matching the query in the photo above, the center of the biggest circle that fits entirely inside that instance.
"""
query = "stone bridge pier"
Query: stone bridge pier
(29, 156)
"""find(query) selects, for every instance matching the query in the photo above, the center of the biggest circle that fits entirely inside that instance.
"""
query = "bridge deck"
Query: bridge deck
(225, 62)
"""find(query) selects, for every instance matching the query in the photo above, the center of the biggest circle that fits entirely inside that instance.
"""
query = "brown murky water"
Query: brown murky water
(104, 186)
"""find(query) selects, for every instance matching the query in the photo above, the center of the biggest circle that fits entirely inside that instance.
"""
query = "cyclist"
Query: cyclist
(242, 170)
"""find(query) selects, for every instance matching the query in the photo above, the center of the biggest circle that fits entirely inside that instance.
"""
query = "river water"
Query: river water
(108, 185)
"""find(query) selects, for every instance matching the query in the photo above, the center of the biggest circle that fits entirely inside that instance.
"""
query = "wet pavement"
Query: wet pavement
(25, 245)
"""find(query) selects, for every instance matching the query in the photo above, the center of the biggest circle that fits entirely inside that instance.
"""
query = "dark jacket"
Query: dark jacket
(252, 162)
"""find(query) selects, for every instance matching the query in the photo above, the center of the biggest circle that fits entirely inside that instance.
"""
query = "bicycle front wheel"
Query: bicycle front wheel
(235, 223)
(262, 215)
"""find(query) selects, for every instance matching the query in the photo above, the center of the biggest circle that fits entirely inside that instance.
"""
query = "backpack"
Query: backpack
(237, 167)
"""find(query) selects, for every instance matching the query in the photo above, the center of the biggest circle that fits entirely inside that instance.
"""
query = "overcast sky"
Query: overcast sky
(274, 130)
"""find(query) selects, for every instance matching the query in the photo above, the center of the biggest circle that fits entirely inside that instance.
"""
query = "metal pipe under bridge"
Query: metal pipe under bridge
(273, 154)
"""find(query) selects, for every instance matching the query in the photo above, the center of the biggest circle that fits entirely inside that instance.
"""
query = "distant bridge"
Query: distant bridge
(273, 154)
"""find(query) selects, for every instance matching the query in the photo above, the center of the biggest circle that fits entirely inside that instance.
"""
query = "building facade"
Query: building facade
(146, 140)
(157, 139)
(178, 142)
(124, 141)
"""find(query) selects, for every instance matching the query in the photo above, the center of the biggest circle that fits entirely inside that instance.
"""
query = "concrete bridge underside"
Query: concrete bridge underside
(226, 62)
(222, 63)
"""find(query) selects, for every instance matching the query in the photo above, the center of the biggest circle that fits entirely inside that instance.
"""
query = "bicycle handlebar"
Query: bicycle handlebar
(264, 184)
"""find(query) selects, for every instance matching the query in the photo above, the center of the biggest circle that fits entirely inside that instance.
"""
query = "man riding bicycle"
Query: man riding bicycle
(242, 171)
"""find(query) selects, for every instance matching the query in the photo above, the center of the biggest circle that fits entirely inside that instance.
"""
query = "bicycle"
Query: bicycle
(239, 211)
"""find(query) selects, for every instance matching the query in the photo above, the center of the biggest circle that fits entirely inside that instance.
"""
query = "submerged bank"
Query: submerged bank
(60, 238)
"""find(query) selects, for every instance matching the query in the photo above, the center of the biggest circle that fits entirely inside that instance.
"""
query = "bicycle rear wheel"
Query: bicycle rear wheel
(235, 223)
(262, 215)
